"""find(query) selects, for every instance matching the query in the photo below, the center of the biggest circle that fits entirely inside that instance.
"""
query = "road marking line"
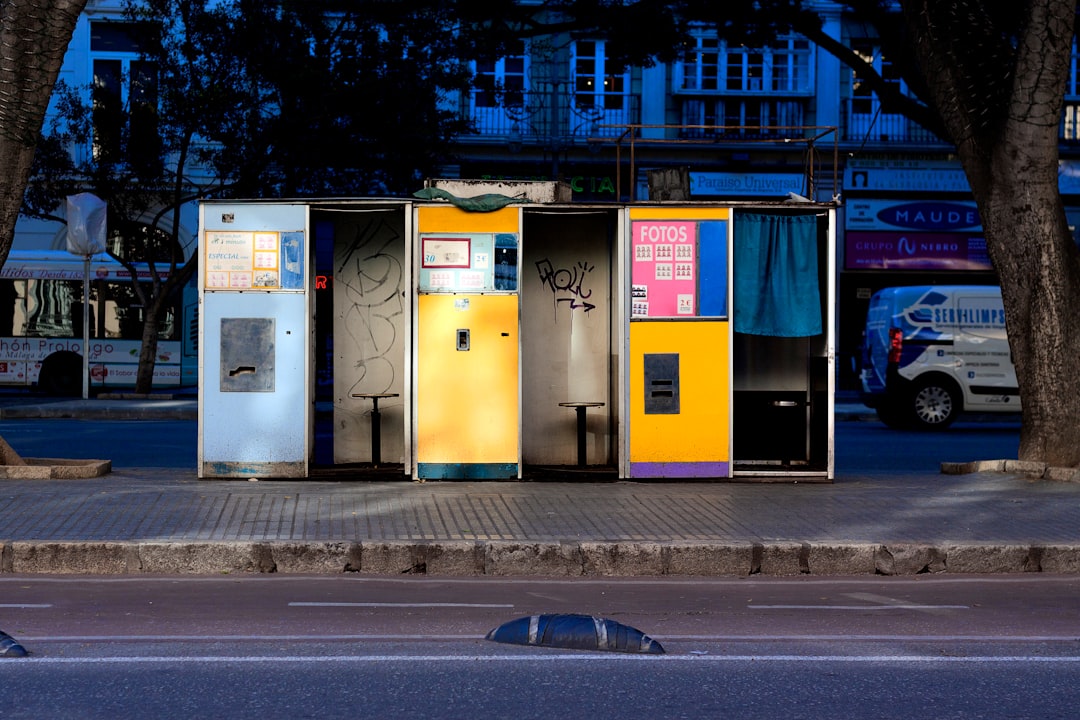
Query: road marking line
(239, 638)
(31, 606)
(470, 638)
(872, 638)
(895, 606)
(572, 658)
(398, 605)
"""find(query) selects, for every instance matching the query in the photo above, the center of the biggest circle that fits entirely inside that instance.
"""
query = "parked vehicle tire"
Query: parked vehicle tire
(61, 374)
(935, 402)
(893, 416)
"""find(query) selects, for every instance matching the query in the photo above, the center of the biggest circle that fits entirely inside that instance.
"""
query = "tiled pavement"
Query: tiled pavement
(165, 520)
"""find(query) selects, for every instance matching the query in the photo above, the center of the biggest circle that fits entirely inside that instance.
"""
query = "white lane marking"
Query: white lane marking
(25, 606)
(872, 638)
(400, 605)
(886, 600)
(470, 638)
(571, 658)
(240, 638)
(893, 606)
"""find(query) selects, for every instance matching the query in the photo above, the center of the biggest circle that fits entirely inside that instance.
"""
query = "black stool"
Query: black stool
(376, 429)
(580, 408)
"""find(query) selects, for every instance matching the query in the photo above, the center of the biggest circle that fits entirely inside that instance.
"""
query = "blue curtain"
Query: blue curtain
(776, 275)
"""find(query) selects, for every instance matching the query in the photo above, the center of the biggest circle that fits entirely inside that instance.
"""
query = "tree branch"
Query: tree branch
(892, 100)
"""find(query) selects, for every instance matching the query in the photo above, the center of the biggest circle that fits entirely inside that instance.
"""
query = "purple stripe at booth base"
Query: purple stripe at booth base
(719, 470)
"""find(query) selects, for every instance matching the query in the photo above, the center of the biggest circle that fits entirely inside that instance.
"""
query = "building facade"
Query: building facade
(754, 124)
(757, 124)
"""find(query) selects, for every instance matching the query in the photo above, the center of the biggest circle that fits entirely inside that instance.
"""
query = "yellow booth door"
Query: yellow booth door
(467, 386)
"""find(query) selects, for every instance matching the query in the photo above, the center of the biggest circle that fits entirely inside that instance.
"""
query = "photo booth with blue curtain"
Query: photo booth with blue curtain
(776, 275)
(780, 267)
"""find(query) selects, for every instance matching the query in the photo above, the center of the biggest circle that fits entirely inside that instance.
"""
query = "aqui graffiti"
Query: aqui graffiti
(567, 285)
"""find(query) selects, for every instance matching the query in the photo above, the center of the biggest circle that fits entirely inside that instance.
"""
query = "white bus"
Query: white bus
(41, 327)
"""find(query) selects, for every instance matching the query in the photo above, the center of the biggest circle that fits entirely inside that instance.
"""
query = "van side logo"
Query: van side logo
(934, 316)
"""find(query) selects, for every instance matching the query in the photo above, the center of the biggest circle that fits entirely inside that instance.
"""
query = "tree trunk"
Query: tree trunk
(1001, 105)
(156, 306)
(34, 36)
(144, 379)
(8, 456)
(1039, 269)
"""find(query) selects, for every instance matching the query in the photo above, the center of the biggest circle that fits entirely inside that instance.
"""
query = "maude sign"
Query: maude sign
(917, 216)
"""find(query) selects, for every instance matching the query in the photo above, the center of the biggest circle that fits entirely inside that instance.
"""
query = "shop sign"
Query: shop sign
(915, 251)
(933, 216)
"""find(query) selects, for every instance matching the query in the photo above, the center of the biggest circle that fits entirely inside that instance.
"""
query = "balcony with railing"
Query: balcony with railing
(554, 115)
(864, 122)
(740, 118)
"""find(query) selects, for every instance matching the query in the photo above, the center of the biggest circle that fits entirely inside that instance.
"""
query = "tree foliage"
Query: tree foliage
(335, 98)
(251, 99)
(136, 156)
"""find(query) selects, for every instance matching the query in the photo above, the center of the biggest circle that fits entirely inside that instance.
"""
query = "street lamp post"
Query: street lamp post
(85, 236)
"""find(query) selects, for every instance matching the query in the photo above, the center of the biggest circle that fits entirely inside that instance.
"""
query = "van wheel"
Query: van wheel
(935, 403)
(61, 374)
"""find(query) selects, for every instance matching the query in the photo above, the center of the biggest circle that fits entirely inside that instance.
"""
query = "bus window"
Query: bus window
(51, 306)
(125, 313)
(12, 308)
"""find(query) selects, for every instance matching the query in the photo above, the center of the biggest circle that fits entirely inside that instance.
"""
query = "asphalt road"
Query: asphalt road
(871, 447)
(861, 447)
(127, 443)
(277, 647)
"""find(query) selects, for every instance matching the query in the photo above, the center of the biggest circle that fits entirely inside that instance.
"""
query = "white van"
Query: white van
(932, 352)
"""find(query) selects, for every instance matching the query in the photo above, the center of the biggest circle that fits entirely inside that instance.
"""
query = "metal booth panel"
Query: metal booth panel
(467, 409)
(467, 419)
(679, 343)
(255, 360)
(248, 349)
(679, 390)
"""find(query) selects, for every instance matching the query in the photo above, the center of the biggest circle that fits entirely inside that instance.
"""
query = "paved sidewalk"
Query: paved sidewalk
(154, 520)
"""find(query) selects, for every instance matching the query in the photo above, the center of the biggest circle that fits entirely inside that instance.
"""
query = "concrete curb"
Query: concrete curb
(1016, 467)
(56, 469)
(506, 558)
